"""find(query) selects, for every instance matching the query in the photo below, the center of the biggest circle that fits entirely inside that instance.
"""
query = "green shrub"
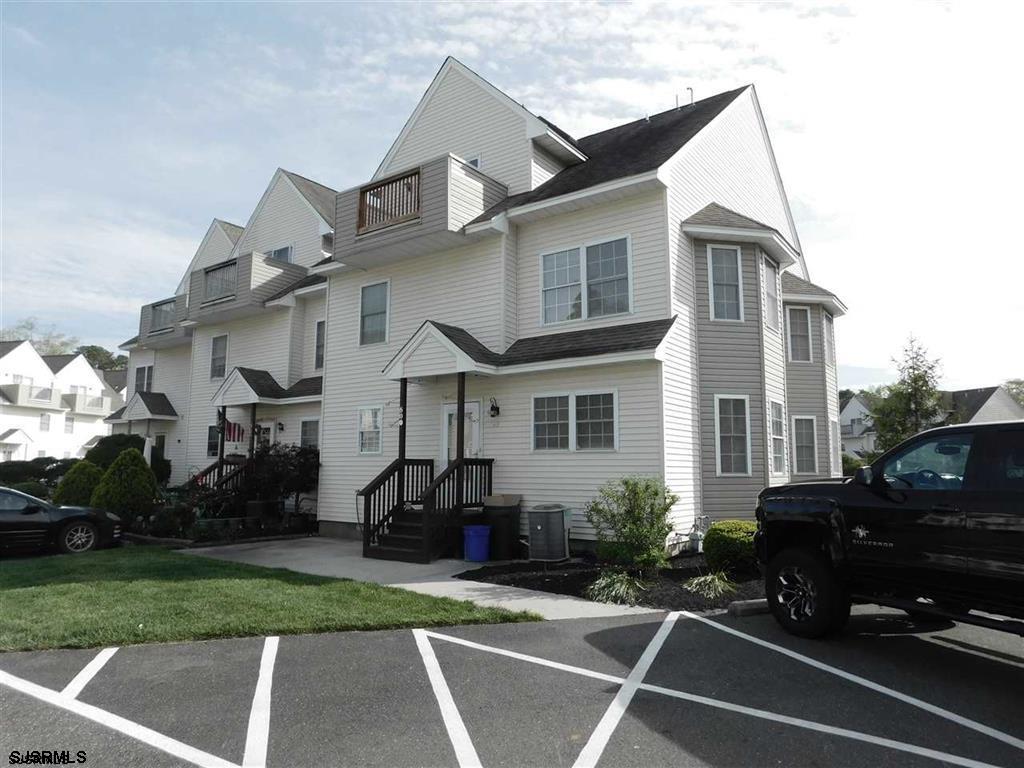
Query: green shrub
(850, 465)
(12, 472)
(108, 448)
(616, 586)
(710, 586)
(128, 488)
(77, 486)
(173, 520)
(33, 488)
(729, 546)
(630, 518)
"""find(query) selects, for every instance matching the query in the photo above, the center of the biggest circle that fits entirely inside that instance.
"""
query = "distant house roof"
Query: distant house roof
(116, 380)
(626, 150)
(966, 403)
(233, 231)
(128, 342)
(8, 434)
(9, 346)
(303, 282)
(58, 363)
(795, 288)
(320, 197)
(265, 385)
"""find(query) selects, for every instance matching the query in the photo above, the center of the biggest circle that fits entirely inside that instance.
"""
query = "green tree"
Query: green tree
(128, 488)
(1016, 389)
(77, 486)
(102, 358)
(912, 403)
(845, 395)
(630, 518)
(45, 338)
(108, 448)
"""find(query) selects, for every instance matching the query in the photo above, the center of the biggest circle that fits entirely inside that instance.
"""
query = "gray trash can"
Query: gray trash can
(549, 532)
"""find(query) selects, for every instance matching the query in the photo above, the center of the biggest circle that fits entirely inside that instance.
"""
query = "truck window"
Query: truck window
(936, 464)
(1007, 469)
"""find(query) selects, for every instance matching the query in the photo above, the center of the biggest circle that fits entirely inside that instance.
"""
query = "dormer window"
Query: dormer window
(281, 254)
(163, 316)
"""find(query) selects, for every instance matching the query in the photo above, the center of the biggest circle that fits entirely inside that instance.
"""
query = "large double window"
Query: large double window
(220, 281)
(732, 434)
(725, 282)
(373, 314)
(575, 421)
(586, 281)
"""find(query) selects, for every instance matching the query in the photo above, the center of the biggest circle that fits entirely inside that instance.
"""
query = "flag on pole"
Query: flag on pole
(233, 433)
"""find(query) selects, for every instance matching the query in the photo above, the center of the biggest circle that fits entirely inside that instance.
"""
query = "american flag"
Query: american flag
(233, 433)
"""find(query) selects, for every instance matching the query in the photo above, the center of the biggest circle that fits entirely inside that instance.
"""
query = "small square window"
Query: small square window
(551, 423)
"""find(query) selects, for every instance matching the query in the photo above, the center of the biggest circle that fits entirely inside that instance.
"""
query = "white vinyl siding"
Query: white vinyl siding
(772, 305)
(725, 271)
(799, 334)
(373, 314)
(220, 282)
(732, 434)
(218, 356)
(805, 445)
(777, 426)
(370, 429)
(588, 281)
(309, 436)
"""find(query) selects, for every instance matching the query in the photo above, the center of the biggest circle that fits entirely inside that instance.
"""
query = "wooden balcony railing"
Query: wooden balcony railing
(389, 202)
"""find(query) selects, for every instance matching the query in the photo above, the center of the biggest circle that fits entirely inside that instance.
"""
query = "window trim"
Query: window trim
(584, 303)
(789, 335)
(227, 345)
(303, 422)
(796, 463)
(320, 344)
(711, 282)
(45, 418)
(572, 395)
(359, 413)
(765, 261)
(216, 429)
(387, 317)
(148, 376)
(291, 253)
(69, 424)
(718, 437)
(828, 339)
(771, 441)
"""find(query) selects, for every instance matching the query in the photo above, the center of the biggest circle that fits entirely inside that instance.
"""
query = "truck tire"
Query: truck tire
(804, 595)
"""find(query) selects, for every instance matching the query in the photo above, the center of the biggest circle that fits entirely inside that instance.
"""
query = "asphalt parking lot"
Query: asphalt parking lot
(651, 690)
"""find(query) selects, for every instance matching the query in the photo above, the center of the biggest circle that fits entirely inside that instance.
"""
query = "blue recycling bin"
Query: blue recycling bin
(476, 543)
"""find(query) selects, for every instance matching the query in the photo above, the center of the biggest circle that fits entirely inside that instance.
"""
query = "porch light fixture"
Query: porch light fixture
(280, 426)
(495, 410)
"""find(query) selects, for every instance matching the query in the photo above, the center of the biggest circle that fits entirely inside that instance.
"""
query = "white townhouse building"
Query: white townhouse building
(504, 308)
(50, 405)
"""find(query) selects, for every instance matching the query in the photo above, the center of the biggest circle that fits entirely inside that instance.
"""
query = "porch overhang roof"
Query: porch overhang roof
(437, 349)
(143, 406)
(15, 436)
(250, 386)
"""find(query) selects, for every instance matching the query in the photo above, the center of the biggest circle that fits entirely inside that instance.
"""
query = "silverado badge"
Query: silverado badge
(860, 532)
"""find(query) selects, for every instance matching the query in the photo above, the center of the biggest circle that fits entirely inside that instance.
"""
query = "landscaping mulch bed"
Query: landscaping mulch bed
(573, 577)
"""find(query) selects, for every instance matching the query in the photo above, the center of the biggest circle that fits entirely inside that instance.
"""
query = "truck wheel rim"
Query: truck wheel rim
(797, 594)
(80, 538)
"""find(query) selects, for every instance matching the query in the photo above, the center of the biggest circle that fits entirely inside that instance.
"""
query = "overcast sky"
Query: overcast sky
(126, 128)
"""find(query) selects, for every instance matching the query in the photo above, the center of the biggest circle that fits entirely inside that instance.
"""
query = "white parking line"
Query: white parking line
(906, 699)
(116, 723)
(465, 752)
(598, 740)
(72, 689)
(257, 735)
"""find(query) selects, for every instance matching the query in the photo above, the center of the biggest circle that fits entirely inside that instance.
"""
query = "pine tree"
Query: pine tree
(912, 403)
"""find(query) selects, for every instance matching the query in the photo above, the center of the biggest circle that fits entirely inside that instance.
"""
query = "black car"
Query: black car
(27, 522)
(934, 526)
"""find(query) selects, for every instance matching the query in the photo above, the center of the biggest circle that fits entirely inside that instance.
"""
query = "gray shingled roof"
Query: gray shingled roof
(561, 346)
(58, 363)
(626, 150)
(302, 282)
(265, 385)
(233, 231)
(132, 340)
(320, 197)
(9, 346)
(117, 380)
(116, 414)
(966, 403)
(716, 215)
(797, 285)
(157, 403)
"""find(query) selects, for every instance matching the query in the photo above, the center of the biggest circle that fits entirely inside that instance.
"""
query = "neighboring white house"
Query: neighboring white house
(631, 302)
(50, 405)
(963, 406)
(857, 428)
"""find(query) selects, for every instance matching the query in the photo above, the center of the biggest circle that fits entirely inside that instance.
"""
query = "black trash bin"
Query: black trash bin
(502, 514)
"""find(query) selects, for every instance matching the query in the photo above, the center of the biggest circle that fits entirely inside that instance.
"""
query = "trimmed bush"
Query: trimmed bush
(630, 518)
(77, 486)
(32, 488)
(108, 448)
(13, 472)
(729, 546)
(128, 488)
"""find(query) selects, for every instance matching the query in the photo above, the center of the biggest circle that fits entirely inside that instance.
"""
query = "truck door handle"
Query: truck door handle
(946, 508)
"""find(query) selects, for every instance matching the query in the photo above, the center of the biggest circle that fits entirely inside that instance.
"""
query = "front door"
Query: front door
(449, 425)
(266, 433)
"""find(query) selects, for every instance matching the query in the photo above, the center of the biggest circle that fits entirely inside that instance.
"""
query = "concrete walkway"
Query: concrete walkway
(344, 560)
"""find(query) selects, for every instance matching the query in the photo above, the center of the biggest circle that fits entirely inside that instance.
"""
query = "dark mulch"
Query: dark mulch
(573, 578)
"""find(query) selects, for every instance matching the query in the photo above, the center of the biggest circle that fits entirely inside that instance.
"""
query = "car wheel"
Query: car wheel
(77, 537)
(804, 594)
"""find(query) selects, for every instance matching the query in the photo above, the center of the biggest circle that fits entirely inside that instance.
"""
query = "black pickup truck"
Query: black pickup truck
(934, 526)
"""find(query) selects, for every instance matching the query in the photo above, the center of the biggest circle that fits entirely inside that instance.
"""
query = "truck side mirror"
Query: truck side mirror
(863, 476)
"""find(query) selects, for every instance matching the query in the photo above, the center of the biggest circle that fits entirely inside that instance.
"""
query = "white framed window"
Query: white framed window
(144, 378)
(830, 343)
(220, 281)
(587, 281)
(576, 421)
(798, 320)
(373, 313)
(370, 430)
(44, 422)
(777, 433)
(162, 316)
(218, 356)
(732, 435)
(725, 282)
(212, 440)
(321, 338)
(805, 445)
(69, 425)
(837, 451)
(281, 254)
(309, 434)
(17, 378)
(772, 316)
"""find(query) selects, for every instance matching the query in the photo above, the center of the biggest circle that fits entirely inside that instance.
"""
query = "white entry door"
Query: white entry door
(266, 433)
(449, 421)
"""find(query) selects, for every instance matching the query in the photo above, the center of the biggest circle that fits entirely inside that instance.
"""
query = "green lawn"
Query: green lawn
(150, 595)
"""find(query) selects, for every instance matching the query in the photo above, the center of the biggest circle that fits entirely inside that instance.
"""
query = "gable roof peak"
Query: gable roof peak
(319, 196)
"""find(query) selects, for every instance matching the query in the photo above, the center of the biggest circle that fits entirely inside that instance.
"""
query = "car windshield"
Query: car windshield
(936, 463)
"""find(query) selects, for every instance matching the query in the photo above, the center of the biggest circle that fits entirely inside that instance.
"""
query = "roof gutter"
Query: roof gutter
(833, 303)
(770, 240)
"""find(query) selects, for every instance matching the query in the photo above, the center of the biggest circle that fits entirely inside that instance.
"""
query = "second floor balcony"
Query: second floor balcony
(238, 287)
(412, 213)
(160, 323)
(84, 403)
(31, 396)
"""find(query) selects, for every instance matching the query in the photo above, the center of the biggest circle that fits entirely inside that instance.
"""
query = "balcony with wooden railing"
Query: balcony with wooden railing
(387, 203)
